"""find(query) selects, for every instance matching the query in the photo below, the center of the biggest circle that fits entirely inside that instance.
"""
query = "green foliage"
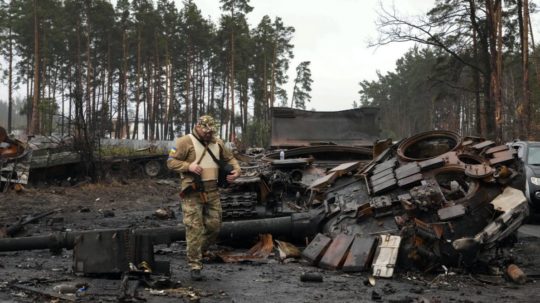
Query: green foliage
(47, 109)
(258, 134)
(158, 64)
(302, 86)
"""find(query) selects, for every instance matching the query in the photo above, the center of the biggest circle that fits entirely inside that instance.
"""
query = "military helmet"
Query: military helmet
(207, 123)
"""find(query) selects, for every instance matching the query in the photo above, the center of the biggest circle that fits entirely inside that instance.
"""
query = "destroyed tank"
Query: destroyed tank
(271, 186)
(430, 200)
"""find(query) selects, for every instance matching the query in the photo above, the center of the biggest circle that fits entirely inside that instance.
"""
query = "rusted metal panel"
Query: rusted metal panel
(431, 164)
(323, 181)
(451, 158)
(316, 248)
(364, 211)
(388, 185)
(385, 173)
(497, 149)
(345, 168)
(451, 212)
(335, 255)
(361, 254)
(479, 170)
(502, 157)
(407, 170)
(482, 145)
(382, 180)
(410, 180)
(288, 163)
(386, 255)
(294, 127)
(384, 153)
(428, 145)
(260, 251)
(390, 163)
(467, 142)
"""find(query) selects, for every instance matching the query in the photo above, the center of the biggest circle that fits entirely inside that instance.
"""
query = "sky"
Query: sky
(334, 36)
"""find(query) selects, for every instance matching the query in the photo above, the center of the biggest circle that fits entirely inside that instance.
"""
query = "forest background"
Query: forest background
(146, 69)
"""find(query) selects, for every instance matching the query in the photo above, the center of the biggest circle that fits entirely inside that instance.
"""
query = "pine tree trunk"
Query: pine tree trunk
(232, 134)
(493, 12)
(109, 89)
(138, 88)
(476, 73)
(34, 124)
(88, 95)
(525, 69)
(187, 125)
(10, 79)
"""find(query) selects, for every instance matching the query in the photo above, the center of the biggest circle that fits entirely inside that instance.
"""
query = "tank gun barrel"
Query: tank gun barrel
(295, 226)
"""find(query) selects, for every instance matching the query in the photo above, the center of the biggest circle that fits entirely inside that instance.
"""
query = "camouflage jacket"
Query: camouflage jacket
(183, 154)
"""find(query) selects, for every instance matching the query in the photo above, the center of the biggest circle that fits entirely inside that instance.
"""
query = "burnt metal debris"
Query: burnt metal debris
(432, 199)
(14, 161)
(292, 128)
(271, 186)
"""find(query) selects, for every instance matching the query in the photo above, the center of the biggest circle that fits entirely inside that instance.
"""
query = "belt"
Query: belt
(210, 185)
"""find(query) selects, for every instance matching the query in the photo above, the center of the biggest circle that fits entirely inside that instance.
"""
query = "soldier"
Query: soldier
(195, 157)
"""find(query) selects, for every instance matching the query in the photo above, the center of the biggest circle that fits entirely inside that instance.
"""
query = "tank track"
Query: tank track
(239, 205)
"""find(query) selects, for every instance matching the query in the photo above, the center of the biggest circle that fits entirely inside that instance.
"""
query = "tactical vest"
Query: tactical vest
(210, 167)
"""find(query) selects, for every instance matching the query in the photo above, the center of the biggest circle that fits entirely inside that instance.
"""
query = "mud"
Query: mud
(36, 276)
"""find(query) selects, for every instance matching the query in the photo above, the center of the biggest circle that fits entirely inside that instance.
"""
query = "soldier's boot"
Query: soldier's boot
(196, 275)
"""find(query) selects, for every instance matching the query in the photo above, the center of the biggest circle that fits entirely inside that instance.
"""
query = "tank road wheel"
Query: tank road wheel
(152, 168)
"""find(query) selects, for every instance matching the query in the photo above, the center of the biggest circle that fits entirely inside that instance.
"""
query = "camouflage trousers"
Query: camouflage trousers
(202, 222)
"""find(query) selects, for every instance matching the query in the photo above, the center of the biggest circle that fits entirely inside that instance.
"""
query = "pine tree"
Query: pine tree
(302, 86)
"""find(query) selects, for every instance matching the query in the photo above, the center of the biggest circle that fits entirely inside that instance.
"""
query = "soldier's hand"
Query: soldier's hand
(195, 168)
(232, 176)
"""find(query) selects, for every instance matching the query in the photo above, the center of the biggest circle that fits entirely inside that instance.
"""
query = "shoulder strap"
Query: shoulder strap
(202, 143)
(207, 149)
(212, 154)
(204, 151)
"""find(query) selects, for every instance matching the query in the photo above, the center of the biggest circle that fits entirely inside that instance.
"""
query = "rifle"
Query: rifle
(225, 169)
(198, 185)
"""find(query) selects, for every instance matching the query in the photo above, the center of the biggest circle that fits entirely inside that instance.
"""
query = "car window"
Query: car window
(534, 155)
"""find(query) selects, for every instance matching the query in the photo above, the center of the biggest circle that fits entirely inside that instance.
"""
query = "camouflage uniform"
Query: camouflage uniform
(202, 220)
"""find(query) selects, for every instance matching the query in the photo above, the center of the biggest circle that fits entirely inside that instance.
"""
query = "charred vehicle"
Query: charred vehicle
(15, 159)
(311, 143)
(430, 200)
